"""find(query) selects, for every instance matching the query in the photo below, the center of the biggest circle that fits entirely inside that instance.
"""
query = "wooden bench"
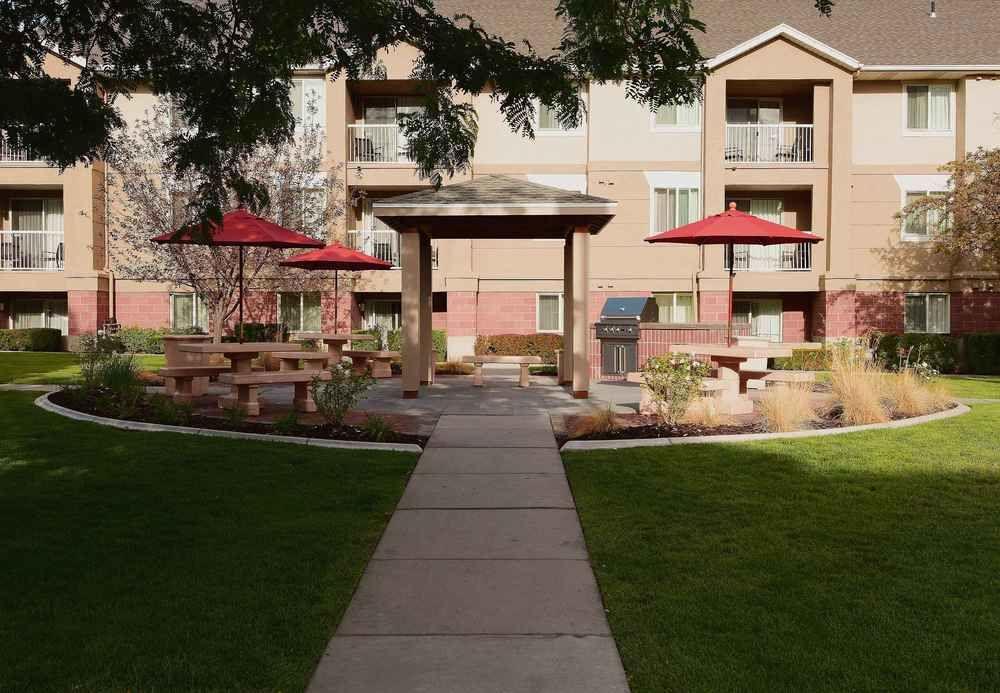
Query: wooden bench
(783, 378)
(246, 388)
(184, 379)
(525, 362)
(380, 361)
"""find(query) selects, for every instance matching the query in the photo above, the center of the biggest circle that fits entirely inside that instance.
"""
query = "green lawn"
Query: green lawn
(54, 367)
(135, 561)
(857, 562)
(974, 386)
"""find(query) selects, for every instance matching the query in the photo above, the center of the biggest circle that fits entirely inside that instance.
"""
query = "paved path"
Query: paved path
(481, 583)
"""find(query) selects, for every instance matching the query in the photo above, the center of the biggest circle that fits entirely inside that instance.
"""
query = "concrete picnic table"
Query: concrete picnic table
(334, 341)
(174, 357)
(240, 358)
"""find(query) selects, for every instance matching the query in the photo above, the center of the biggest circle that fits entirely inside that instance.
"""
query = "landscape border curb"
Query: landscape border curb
(574, 445)
(44, 403)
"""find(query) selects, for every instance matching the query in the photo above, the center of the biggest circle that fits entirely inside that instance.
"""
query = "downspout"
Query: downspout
(112, 280)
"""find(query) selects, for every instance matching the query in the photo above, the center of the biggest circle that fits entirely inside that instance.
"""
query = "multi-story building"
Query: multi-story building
(825, 124)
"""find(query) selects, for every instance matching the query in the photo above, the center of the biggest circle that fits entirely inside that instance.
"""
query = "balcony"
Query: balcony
(376, 144)
(757, 143)
(383, 244)
(787, 257)
(9, 154)
(31, 251)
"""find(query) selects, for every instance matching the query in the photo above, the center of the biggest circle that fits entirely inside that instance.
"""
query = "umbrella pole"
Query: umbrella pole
(241, 295)
(336, 300)
(732, 273)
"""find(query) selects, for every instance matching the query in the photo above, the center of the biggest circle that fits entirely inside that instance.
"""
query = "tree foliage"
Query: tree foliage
(228, 64)
(964, 224)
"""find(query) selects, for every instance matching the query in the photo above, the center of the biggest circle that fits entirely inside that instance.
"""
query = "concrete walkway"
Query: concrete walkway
(481, 583)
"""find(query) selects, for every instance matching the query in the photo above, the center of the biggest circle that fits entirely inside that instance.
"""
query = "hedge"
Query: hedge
(394, 341)
(982, 353)
(940, 351)
(804, 360)
(258, 332)
(142, 340)
(31, 339)
(538, 344)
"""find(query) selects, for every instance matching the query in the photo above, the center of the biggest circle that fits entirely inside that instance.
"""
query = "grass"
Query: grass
(864, 561)
(58, 367)
(140, 561)
(973, 386)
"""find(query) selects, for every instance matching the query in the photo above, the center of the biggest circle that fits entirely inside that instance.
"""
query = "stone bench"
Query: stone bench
(380, 361)
(294, 360)
(247, 383)
(525, 362)
(184, 380)
(784, 378)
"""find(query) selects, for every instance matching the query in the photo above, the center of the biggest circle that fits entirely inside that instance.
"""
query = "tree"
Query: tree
(228, 63)
(963, 224)
(147, 197)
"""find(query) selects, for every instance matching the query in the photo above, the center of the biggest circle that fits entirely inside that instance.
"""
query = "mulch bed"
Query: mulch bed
(308, 426)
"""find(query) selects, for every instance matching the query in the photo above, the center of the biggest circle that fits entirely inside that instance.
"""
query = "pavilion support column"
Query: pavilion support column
(566, 363)
(581, 295)
(426, 312)
(409, 242)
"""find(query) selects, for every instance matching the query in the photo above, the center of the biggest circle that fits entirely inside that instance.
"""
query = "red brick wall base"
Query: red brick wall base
(88, 311)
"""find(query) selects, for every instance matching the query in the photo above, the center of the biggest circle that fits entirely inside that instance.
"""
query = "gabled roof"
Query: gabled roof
(495, 206)
(795, 36)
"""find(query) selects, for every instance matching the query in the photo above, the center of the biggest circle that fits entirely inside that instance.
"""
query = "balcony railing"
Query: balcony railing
(31, 251)
(9, 153)
(787, 257)
(376, 144)
(383, 244)
(754, 143)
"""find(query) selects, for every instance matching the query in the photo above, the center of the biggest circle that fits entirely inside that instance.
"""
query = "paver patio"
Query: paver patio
(481, 583)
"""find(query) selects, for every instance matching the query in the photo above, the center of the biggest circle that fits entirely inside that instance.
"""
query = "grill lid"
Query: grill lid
(627, 308)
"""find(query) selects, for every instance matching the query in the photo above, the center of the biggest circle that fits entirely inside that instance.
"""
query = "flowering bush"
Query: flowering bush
(338, 395)
(673, 382)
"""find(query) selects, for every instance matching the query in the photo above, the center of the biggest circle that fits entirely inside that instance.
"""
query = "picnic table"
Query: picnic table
(240, 357)
(334, 341)
(176, 359)
(380, 362)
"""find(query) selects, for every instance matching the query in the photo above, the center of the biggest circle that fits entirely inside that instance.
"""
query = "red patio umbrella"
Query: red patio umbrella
(241, 228)
(336, 257)
(729, 228)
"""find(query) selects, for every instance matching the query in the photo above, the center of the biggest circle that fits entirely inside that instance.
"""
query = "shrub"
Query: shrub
(787, 408)
(805, 360)
(539, 344)
(166, 411)
(90, 343)
(982, 353)
(856, 381)
(31, 339)
(673, 381)
(377, 428)
(142, 340)
(337, 396)
(454, 368)
(939, 351)
(704, 411)
(286, 425)
(258, 332)
(372, 342)
(439, 339)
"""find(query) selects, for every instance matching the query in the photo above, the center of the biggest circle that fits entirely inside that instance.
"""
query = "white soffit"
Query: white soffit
(795, 36)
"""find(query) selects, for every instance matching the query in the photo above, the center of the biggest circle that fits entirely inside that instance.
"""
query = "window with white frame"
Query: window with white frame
(928, 107)
(300, 311)
(673, 207)
(549, 313)
(308, 102)
(678, 116)
(383, 315)
(920, 226)
(188, 311)
(548, 122)
(928, 313)
(674, 307)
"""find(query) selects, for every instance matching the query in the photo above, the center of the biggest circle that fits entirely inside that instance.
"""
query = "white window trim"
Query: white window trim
(321, 101)
(914, 237)
(578, 131)
(679, 129)
(538, 312)
(926, 295)
(302, 308)
(194, 309)
(915, 132)
(673, 305)
(652, 204)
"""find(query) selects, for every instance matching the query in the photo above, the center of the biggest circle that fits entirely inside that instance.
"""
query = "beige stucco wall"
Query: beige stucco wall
(498, 145)
(879, 133)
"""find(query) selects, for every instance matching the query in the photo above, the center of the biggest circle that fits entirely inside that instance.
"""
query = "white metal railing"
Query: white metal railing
(754, 143)
(8, 152)
(383, 244)
(31, 251)
(787, 257)
(376, 143)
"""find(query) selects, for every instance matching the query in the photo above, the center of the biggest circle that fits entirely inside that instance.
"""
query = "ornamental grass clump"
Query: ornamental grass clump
(704, 411)
(907, 393)
(787, 408)
(673, 382)
(341, 393)
(599, 422)
(857, 382)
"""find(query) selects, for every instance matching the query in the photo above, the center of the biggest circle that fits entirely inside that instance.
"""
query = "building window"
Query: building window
(28, 313)
(36, 214)
(382, 315)
(547, 122)
(928, 313)
(308, 104)
(300, 311)
(549, 313)
(686, 116)
(920, 226)
(928, 107)
(674, 308)
(673, 207)
(188, 311)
